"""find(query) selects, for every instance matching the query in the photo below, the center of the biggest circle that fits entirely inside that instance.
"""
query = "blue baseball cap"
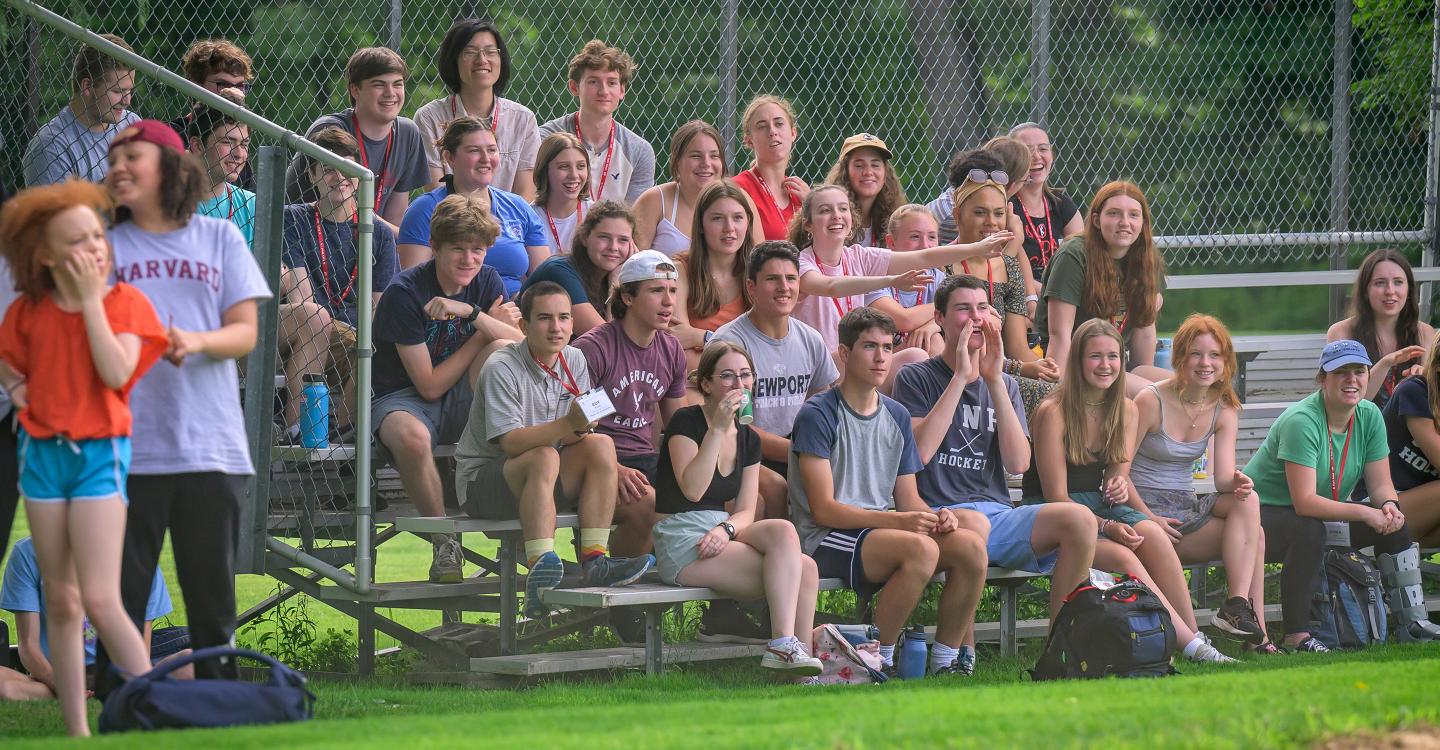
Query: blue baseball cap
(1337, 354)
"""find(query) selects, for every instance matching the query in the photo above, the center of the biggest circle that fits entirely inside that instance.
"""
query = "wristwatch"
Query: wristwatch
(729, 529)
(474, 313)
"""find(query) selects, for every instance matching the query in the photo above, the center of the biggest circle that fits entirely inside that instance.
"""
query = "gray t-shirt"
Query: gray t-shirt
(64, 147)
(787, 371)
(866, 454)
(513, 392)
(516, 131)
(632, 167)
(188, 418)
(405, 170)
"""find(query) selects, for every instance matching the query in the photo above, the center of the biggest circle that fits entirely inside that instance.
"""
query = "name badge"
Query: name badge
(595, 404)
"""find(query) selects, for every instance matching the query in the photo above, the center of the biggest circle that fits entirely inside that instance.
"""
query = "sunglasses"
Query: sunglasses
(999, 177)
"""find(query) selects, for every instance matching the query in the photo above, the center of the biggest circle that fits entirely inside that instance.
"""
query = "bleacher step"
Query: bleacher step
(410, 591)
(623, 657)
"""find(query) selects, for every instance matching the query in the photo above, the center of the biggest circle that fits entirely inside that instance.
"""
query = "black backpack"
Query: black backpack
(1123, 631)
(1348, 610)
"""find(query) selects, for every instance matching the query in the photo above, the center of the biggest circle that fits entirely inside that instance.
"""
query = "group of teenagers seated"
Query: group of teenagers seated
(745, 382)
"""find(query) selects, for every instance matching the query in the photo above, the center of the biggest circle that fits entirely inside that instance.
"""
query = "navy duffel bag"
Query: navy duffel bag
(156, 701)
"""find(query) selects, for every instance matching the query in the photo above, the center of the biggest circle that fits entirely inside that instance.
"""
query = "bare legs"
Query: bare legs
(78, 545)
(764, 560)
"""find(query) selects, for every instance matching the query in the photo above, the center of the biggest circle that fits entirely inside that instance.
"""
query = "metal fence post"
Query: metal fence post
(1340, 148)
(1040, 61)
(396, 25)
(259, 383)
(729, 74)
(1431, 253)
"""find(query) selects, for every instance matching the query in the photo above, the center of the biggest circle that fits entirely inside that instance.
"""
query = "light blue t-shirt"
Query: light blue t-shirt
(236, 206)
(866, 454)
(64, 147)
(188, 418)
(908, 300)
(519, 228)
(22, 592)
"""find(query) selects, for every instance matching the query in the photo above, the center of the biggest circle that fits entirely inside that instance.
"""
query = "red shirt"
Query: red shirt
(775, 222)
(51, 349)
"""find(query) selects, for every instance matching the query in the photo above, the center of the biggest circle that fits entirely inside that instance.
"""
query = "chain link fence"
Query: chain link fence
(1224, 112)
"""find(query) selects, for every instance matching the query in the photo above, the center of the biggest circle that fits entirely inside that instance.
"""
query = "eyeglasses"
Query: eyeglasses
(730, 377)
(999, 177)
(218, 86)
(470, 53)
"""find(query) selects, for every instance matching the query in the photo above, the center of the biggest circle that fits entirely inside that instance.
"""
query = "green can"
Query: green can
(746, 415)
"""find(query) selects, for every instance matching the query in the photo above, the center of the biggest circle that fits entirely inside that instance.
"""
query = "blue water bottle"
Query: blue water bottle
(1162, 353)
(315, 412)
(913, 654)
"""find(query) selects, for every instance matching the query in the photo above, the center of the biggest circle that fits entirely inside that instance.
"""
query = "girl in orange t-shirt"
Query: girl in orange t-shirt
(83, 343)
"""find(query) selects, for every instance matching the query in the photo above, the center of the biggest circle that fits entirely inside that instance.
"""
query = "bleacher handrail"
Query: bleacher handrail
(361, 580)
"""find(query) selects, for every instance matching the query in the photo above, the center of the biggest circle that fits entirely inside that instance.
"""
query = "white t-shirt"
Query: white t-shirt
(188, 418)
(559, 233)
(824, 313)
(516, 130)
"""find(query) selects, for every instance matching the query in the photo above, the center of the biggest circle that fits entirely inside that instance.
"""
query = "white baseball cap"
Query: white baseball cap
(647, 265)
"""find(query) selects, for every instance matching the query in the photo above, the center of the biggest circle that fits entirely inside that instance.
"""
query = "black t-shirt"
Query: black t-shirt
(400, 320)
(690, 422)
(1044, 233)
(1085, 478)
(1409, 467)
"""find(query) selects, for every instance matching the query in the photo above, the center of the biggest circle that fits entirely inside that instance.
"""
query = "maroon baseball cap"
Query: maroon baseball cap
(149, 131)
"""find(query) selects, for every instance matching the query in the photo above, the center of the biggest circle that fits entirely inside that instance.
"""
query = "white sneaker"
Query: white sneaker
(791, 657)
(1208, 654)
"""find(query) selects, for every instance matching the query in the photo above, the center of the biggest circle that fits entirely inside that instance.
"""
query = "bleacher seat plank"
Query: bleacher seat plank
(409, 591)
(463, 524)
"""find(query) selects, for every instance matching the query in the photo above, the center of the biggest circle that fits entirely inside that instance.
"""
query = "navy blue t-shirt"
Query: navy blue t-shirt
(400, 320)
(966, 467)
(302, 250)
(561, 270)
(1409, 467)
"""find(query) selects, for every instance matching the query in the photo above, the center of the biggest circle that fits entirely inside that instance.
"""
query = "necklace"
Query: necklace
(1095, 403)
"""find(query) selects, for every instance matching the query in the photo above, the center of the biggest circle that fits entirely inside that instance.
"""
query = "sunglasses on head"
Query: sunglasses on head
(998, 177)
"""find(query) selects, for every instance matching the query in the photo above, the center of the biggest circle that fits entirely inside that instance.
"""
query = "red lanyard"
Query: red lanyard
(573, 387)
(555, 231)
(989, 277)
(844, 271)
(325, 266)
(1047, 243)
(365, 160)
(785, 213)
(230, 201)
(494, 116)
(609, 152)
(1344, 454)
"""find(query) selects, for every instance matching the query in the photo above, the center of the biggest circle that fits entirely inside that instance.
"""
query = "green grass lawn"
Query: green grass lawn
(405, 558)
(1274, 702)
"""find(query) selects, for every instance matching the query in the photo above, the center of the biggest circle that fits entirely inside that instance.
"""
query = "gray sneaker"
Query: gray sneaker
(1208, 654)
(447, 565)
(616, 571)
